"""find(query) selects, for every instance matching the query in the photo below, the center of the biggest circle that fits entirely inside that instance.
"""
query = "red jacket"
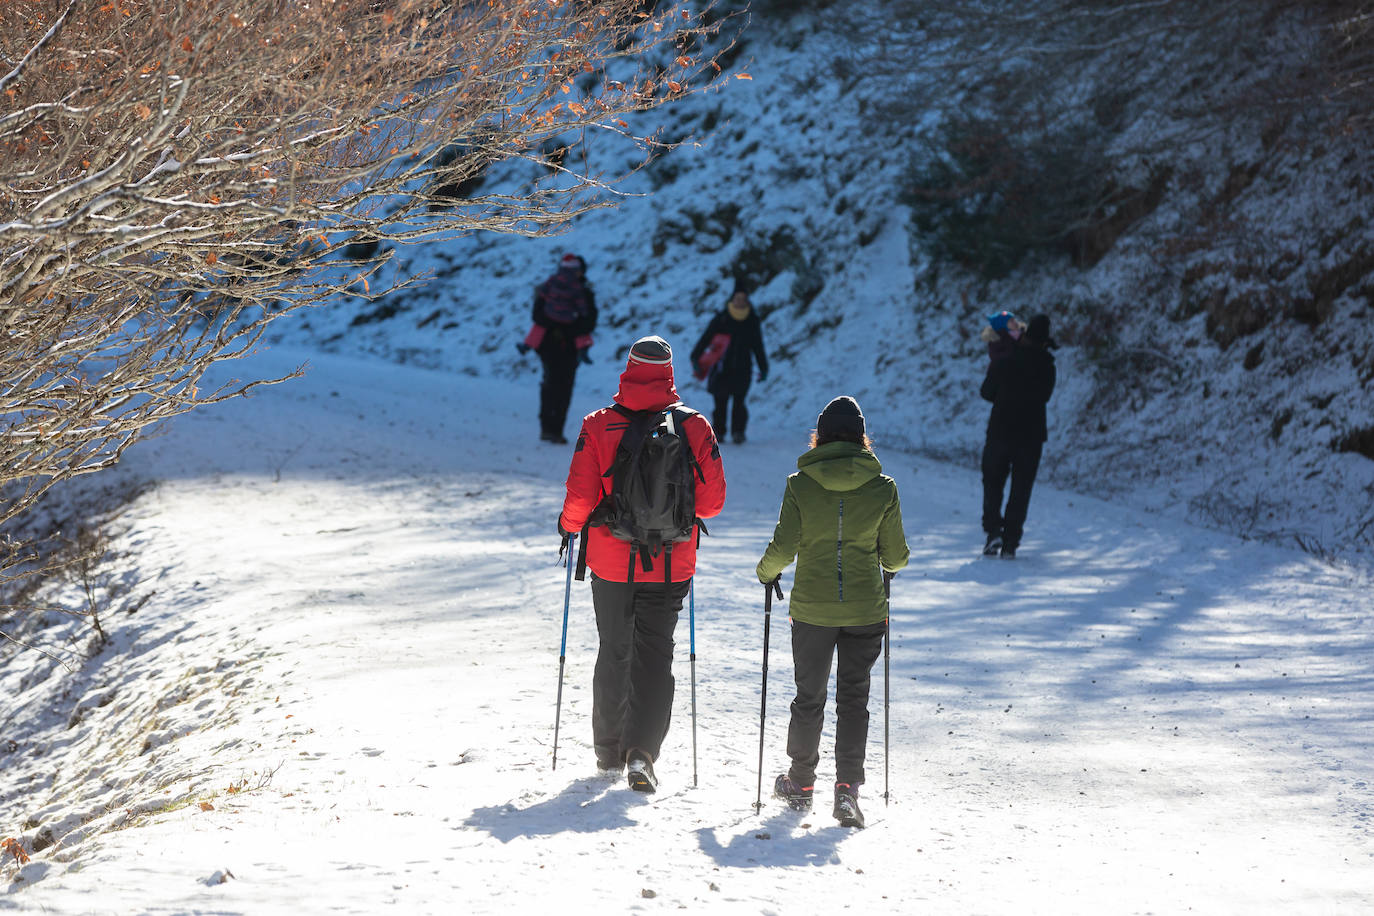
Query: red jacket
(642, 387)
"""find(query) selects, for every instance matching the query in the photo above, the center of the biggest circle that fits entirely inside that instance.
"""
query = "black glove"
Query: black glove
(523, 348)
(561, 533)
(582, 355)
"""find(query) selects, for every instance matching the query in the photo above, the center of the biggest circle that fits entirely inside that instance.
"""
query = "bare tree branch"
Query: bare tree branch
(177, 174)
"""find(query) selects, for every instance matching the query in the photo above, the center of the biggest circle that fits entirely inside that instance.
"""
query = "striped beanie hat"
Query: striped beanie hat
(651, 351)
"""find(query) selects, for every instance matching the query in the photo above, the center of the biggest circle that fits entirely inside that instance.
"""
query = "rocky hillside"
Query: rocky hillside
(1183, 204)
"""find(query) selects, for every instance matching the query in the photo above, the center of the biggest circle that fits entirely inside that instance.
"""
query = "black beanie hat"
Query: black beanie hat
(841, 419)
(1039, 331)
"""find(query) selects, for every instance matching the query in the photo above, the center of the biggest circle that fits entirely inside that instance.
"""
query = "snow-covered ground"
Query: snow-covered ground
(341, 692)
(332, 687)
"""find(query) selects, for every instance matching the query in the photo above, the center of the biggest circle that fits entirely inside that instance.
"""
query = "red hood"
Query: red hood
(646, 387)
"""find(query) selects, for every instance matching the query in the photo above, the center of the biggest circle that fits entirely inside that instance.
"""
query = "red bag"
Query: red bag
(719, 344)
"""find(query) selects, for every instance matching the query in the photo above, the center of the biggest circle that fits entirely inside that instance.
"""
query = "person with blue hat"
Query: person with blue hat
(1001, 333)
(1019, 386)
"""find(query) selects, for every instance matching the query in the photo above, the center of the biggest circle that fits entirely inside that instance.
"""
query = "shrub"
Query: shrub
(987, 194)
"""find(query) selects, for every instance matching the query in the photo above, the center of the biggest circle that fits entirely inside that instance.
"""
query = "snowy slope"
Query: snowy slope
(792, 180)
(343, 687)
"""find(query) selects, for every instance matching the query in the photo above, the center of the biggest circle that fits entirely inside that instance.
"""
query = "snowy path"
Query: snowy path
(356, 573)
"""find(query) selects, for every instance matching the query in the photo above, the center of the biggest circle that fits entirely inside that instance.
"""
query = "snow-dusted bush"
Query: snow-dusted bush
(992, 192)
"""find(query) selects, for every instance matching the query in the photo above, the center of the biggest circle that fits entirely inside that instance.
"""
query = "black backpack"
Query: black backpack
(653, 486)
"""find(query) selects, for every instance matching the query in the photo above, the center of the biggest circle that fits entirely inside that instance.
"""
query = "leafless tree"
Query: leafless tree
(177, 174)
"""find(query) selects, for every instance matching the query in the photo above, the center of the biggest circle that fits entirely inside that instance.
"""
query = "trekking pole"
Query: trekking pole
(887, 666)
(563, 646)
(692, 629)
(768, 589)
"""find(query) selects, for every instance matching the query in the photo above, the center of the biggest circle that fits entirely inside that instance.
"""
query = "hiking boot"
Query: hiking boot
(993, 544)
(797, 797)
(639, 773)
(847, 805)
(739, 438)
(608, 765)
(555, 438)
(1009, 551)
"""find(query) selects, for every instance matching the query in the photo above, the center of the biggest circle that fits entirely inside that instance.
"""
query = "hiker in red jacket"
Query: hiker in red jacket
(637, 594)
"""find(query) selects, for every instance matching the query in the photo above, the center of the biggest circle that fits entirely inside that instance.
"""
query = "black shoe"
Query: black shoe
(739, 438)
(640, 773)
(993, 544)
(1008, 552)
(798, 797)
(847, 805)
(610, 765)
(555, 438)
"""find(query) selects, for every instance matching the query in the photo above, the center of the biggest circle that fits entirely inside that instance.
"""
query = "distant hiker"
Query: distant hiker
(725, 355)
(640, 574)
(1001, 333)
(841, 520)
(564, 317)
(1019, 386)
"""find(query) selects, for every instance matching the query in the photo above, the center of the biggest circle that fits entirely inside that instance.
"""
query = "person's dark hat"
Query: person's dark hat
(652, 351)
(570, 260)
(1039, 331)
(841, 419)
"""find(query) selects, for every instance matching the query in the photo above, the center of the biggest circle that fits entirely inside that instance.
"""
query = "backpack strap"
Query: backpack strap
(638, 429)
(581, 573)
(681, 413)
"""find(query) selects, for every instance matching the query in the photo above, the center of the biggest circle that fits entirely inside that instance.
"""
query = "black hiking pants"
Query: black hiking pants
(813, 647)
(738, 420)
(1020, 459)
(632, 686)
(555, 391)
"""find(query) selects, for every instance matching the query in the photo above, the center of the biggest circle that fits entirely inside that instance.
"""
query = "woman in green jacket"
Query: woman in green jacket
(841, 520)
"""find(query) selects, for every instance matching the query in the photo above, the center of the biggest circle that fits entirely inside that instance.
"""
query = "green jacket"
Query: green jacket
(842, 522)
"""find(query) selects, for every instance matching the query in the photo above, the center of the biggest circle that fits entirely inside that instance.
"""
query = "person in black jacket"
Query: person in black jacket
(729, 377)
(1019, 386)
(564, 316)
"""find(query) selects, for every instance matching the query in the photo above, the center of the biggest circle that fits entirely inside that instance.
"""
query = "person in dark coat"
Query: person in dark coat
(1019, 386)
(729, 378)
(564, 316)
